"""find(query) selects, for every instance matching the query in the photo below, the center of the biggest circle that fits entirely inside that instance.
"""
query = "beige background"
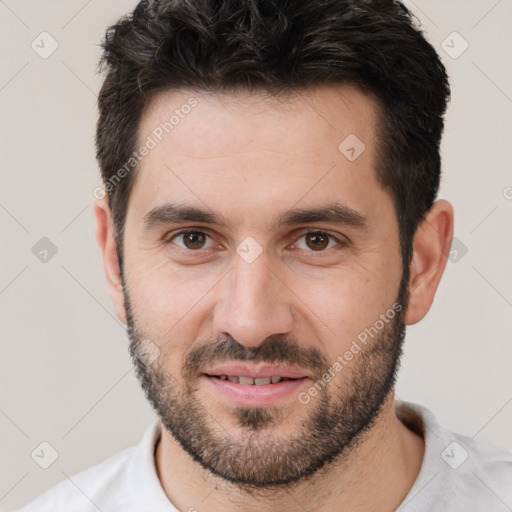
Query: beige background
(66, 376)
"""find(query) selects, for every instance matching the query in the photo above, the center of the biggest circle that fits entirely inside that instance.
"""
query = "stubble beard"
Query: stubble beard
(259, 457)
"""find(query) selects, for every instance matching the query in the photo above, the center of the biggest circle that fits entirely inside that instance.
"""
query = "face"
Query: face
(262, 278)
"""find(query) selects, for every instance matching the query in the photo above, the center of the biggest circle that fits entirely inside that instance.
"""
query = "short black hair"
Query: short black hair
(280, 46)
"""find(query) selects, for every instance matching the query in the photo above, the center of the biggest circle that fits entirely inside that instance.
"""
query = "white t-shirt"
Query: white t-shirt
(458, 474)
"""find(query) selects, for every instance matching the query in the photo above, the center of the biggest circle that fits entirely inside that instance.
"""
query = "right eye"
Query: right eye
(191, 240)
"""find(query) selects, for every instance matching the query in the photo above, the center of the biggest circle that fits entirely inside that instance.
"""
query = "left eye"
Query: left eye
(317, 241)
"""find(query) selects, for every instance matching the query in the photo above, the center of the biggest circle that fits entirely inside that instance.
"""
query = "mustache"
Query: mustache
(275, 349)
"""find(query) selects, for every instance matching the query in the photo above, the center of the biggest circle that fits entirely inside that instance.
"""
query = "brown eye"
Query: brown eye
(317, 241)
(192, 240)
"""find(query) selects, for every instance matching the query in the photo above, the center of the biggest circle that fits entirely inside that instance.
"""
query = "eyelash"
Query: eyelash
(169, 240)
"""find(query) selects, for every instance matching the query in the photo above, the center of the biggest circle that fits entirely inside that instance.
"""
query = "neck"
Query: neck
(376, 475)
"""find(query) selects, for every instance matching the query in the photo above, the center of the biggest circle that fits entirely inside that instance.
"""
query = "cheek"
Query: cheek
(349, 301)
(164, 301)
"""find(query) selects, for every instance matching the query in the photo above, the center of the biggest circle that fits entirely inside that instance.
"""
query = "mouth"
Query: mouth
(253, 381)
(249, 385)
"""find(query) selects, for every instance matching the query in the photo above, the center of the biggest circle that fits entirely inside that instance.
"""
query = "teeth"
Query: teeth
(247, 381)
(262, 380)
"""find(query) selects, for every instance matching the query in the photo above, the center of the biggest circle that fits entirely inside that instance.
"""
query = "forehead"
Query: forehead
(202, 123)
(248, 153)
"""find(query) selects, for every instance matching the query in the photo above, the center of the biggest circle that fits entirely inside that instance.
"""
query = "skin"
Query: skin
(251, 158)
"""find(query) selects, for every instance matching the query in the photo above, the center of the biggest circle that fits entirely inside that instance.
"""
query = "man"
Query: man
(269, 229)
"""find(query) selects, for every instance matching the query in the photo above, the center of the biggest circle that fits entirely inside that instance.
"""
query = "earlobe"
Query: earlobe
(431, 248)
(107, 245)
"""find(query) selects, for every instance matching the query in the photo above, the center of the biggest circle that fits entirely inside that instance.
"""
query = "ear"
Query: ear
(431, 248)
(105, 239)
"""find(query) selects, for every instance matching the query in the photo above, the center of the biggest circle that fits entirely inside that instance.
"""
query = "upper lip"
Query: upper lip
(256, 371)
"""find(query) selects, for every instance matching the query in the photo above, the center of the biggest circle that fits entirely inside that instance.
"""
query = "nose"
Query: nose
(255, 303)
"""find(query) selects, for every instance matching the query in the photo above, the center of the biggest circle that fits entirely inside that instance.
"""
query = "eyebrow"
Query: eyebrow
(169, 213)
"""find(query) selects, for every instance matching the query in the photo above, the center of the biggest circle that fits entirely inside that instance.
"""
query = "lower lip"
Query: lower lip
(253, 395)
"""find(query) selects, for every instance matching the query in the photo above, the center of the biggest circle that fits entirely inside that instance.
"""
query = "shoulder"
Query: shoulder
(458, 472)
(85, 491)
(484, 470)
